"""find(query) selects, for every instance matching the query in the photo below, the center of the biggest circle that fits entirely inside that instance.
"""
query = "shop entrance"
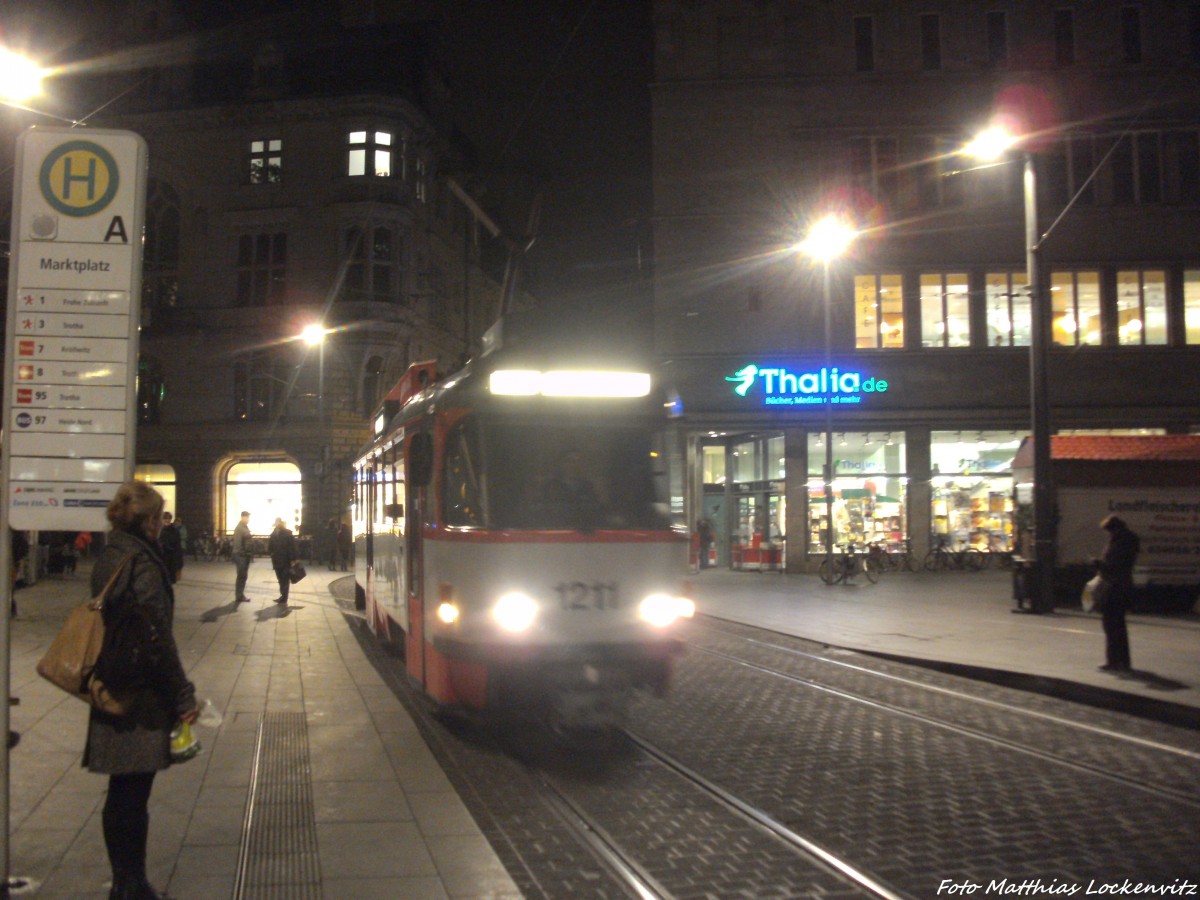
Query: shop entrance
(743, 500)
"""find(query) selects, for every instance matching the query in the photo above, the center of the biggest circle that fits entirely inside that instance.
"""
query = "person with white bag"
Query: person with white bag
(1116, 571)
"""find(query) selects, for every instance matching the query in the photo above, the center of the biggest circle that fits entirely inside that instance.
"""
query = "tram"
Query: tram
(513, 536)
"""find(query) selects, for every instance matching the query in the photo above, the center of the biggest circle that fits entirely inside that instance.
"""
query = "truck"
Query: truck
(1150, 481)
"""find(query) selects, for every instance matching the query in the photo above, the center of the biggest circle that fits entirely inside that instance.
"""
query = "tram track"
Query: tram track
(1175, 754)
(648, 875)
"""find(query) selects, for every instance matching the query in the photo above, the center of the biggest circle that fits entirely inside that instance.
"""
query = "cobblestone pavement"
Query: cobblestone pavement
(912, 802)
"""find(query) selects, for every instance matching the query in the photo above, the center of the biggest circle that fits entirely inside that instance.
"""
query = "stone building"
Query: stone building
(768, 116)
(303, 172)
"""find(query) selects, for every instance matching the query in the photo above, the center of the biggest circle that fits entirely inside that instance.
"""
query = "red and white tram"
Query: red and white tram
(513, 536)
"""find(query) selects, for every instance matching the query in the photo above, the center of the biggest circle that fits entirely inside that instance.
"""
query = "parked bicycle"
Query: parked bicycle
(894, 560)
(843, 566)
(944, 557)
(207, 547)
(1000, 554)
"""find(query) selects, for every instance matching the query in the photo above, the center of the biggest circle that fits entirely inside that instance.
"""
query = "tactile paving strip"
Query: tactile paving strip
(278, 858)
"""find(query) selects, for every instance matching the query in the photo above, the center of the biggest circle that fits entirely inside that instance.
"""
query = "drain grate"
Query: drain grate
(278, 857)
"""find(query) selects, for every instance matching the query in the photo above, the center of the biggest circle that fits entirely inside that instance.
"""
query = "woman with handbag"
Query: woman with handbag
(130, 749)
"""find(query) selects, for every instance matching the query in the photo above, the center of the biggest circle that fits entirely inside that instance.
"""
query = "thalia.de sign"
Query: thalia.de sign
(783, 388)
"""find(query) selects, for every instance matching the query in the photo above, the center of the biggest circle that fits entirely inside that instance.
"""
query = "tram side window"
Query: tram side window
(462, 497)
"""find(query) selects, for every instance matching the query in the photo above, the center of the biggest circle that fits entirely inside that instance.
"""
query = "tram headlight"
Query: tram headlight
(447, 612)
(662, 610)
(515, 612)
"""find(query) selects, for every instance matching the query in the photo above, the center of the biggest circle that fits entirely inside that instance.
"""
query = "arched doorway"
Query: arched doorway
(267, 489)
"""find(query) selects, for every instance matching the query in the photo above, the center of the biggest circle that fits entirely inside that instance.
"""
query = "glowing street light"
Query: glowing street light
(990, 145)
(314, 336)
(20, 78)
(828, 239)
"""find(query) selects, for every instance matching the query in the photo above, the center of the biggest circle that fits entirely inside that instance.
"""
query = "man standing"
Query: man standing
(282, 547)
(345, 545)
(243, 550)
(172, 546)
(1116, 570)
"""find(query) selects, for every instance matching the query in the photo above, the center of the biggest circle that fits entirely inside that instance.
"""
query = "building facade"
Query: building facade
(303, 177)
(768, 116)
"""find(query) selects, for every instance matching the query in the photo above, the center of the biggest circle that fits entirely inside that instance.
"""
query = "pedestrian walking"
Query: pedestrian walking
(172, 546)
(345, 545)
(131, 749)
(243, 552)
(705, 530)
(1116, 571)
(281, 545)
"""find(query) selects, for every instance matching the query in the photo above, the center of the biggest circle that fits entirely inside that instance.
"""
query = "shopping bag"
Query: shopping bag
(71, 660)
(1095, 592)
(296, 573)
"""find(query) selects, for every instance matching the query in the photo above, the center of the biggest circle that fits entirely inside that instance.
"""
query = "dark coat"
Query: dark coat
(282, 547)
(1118, 560)
(140, 741)
(171, 542)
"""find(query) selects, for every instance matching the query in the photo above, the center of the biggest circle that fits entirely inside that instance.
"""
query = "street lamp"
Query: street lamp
(828, 239)
(990, 145)
(20, 78)
(314, 336)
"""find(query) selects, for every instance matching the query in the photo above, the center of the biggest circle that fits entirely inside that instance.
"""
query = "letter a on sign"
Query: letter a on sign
(116, 229)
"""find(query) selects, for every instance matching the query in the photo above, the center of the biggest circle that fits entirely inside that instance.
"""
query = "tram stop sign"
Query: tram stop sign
(71, 348)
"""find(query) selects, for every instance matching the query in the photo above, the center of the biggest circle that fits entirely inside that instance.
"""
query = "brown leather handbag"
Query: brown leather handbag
(70, 662)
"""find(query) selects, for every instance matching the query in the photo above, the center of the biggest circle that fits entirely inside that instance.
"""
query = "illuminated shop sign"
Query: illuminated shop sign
(779, 387)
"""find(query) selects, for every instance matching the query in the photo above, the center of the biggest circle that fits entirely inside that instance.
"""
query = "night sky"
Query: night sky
(553, 95)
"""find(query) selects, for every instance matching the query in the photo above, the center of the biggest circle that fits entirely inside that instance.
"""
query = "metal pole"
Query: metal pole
(1042, 588)
(828, 428)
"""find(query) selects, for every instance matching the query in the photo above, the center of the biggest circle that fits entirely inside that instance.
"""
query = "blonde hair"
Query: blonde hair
(134, 503)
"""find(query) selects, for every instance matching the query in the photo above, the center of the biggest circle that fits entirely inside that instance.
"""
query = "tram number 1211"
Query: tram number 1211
(597, 595)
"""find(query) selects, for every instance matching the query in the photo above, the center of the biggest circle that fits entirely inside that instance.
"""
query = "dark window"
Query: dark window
(160, 248)
(864, 44)
(258, 388)
(997, 40)
(372, 375)
(1183, 159)
(1121, 163)
(151, 390)
(1064, 37)
(369, 255)
(262, 269)
(1194, 33)
(1083, 162)
(1149, 164)
(1131, 34)
(931, 42)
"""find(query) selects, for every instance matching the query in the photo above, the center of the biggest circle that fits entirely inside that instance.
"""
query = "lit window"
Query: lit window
(1191, 305)
(1075, 308)
(1008, 318)
(879, 312)
(1141, 307)
(945, 311)
(370, 154)
(266, 162)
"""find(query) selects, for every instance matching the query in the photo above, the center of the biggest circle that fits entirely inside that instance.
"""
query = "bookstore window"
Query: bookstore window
(266, 162)
(972, 487)
(262, 269)
(1142, 307)
(1191, 305)
(1008, 311)
(879, 312)
(869, 486)
(369, 154)
(1075, 308)
(945, 310)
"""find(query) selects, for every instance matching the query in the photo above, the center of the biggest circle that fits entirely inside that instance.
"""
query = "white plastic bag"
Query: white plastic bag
(1094, 593)
(209, 716)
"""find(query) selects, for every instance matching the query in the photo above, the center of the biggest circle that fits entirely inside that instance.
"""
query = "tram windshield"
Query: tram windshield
(542, 475)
